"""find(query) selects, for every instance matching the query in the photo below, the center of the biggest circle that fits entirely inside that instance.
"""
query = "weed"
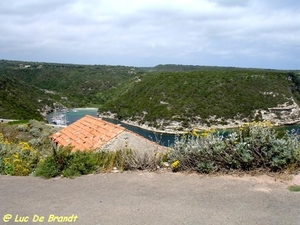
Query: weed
(141, 160)
(294, 188)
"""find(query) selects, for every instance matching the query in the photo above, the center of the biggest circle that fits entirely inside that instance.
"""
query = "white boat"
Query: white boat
(59, 120)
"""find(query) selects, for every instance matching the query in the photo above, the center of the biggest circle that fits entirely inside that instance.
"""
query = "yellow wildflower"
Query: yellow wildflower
(25, 146)
(194, 133)
(175, 164)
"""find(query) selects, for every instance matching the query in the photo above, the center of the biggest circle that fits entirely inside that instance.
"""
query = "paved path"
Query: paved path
(148, 198)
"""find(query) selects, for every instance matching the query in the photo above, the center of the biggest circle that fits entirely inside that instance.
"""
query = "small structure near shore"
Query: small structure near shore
(94, 134)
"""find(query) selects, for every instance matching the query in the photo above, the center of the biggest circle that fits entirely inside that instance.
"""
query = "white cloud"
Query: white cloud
(146, 32)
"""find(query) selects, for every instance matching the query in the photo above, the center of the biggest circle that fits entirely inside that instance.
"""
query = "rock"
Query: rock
(115, 170)
(166, 164)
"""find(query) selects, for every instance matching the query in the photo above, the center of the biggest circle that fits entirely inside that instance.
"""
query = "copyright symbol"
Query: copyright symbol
(7, 217)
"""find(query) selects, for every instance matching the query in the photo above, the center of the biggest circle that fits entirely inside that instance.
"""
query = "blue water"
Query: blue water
(160, 138)
(74, 114)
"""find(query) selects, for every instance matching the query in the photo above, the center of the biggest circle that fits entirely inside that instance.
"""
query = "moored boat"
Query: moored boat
(59, 120)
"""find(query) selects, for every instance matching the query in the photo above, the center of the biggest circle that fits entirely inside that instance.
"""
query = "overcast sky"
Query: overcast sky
(242, 33)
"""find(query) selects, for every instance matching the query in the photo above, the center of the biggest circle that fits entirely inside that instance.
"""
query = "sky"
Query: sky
(145, 33)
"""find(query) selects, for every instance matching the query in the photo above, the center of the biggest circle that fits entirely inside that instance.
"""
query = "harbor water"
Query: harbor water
(164, 139)
(73, 115)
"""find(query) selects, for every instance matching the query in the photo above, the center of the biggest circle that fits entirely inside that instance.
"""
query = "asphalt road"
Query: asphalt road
(147, 198)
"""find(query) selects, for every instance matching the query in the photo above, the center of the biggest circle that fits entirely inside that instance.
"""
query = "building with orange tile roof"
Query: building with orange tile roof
(94, 134)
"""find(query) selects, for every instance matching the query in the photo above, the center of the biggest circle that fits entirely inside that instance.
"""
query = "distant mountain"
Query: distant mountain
(186, 68)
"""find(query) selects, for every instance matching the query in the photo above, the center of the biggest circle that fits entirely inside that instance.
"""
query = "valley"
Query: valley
(164, 98)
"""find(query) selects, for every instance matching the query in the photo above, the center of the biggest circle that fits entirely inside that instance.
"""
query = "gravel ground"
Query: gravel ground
(148, 198)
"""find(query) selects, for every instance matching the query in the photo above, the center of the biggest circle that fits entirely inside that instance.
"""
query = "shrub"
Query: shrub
(64, 162)
(19, 159)
(206, 167)
(55, 164)
(35, 132)
(22, 127)
(47, 168)
(81, 163)
(107, 160)
(252, 146)
(71, 164)
(141, 160)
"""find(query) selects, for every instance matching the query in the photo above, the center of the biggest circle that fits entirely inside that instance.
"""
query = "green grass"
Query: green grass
(18, 122)
(294, 188)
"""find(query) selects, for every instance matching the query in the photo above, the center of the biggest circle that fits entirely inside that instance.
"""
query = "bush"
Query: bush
(71, 164)
(253, 146)
(141, 160)
(55, 164)
(107, 160)
(22, 127)
(47, 168)
(64, 162)
(19, 159)
(206, 167)
(81, 163)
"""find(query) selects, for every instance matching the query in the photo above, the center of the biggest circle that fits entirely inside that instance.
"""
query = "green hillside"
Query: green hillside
(188, 94)
(188, 68)
(19, 100)
(197, 95)
(81, 84)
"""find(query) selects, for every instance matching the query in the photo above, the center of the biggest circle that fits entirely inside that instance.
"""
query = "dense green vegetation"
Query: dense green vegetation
(29, 86)
(25, 149)
(172, 92)
(19, 100)
(186, 68)
(185, 96)
(182, 93)
(257, 146)
(80, 84)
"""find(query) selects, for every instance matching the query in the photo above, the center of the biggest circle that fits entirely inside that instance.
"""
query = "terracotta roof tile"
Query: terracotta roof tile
(87, 133)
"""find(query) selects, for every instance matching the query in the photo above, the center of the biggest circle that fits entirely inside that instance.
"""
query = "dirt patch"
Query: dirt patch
(296, 180)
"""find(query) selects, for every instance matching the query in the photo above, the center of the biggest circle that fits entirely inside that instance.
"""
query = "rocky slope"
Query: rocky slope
(180, 101)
